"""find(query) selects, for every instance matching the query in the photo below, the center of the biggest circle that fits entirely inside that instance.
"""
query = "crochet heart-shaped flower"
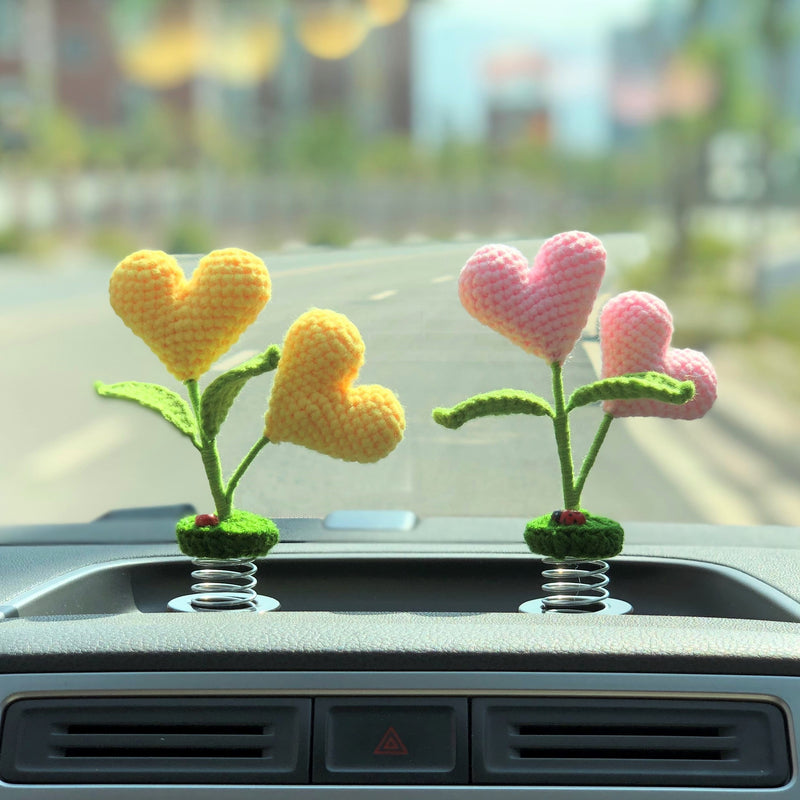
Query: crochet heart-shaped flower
(313, 402)
(189, 324)
(542, 308)
(635, 334)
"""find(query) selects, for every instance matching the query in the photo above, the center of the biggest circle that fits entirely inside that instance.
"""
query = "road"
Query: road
(70, 456)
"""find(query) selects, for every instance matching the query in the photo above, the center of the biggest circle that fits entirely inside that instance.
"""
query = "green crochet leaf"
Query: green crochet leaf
(636, 386)
(492, 404)
(219, 395)
(169, 404)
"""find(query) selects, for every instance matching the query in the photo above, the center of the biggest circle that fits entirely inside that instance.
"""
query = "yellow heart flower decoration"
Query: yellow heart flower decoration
(189, 324)
(313, 402)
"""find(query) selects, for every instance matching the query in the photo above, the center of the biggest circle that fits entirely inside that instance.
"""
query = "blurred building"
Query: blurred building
(518, 98)
(244, 64)
(86, 74)
(13, 104)
(372, 86)
(56, 55)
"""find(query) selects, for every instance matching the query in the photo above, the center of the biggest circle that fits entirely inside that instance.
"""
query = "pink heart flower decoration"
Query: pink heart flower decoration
(635, 334)
(542, 308)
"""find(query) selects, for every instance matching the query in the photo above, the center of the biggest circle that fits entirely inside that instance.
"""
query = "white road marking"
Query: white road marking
(383, 295)
(716, 500)
(752, 406)
(233, 360)
(748, 468)
(443, 279)
(76, 449)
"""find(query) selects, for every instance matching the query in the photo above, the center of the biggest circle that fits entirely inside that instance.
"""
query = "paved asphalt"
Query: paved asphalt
(70, 456)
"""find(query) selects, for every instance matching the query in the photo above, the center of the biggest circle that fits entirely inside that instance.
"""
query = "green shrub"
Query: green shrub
(329, 232)
(779, 318)
(709, 262)
(13, 240)
(113, 243)
(189, 236)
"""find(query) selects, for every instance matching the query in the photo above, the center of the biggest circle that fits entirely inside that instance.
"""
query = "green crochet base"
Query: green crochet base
(600, 537)
(241, 535)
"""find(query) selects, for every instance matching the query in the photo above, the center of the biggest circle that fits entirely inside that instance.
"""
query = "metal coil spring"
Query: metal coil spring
(575, 585)
(223, 585)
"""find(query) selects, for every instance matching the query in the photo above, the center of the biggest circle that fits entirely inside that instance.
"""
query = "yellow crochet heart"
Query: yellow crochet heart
(313, 402)
(189, 324)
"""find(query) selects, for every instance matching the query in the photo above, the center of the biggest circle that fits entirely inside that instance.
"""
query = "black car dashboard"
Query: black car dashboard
(398, 665)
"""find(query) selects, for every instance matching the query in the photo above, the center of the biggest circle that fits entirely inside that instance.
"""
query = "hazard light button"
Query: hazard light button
(390, 740)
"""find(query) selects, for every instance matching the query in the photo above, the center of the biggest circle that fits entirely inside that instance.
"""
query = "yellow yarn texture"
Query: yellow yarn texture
(189, 324)
(313, 402)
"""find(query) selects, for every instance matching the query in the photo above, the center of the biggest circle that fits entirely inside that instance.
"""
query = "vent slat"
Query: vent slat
(613, 742)
(616, 754)
(153, 741)
(121, 753)
(613, 727)
(167, 729)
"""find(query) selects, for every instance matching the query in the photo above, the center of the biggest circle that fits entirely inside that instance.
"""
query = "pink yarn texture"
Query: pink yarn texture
(541, 308)
(635, 334)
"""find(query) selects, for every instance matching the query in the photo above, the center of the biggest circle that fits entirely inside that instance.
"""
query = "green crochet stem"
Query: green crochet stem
(240, 470)
(588, 461)
(561, 427)
(210, 456)
(572, 489)
(223, 495)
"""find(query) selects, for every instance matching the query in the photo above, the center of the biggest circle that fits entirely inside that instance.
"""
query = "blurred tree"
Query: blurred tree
(457, 160)
(779, 31)
(57, 142)
(727, 76)
(219, 147)
(153, 139)
(535, 160)
(105, 148)
(323, 144)
(393, 156)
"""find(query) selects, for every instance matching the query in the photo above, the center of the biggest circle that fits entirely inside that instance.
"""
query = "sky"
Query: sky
(453, 39)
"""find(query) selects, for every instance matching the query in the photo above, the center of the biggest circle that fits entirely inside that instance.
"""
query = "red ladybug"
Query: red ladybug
(206, 520)
(568, 517)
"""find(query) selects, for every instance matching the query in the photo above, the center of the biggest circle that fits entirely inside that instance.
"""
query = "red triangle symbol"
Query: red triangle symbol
(391, 745)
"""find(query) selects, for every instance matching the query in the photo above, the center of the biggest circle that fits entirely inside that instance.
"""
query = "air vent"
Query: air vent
(629, 742)
(156, 740)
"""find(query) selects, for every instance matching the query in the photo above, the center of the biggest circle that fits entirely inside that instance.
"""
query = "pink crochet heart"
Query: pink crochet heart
(635, 333)
(542, 308)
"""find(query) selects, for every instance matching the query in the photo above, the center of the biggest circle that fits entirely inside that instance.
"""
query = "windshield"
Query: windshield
(365, 149)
